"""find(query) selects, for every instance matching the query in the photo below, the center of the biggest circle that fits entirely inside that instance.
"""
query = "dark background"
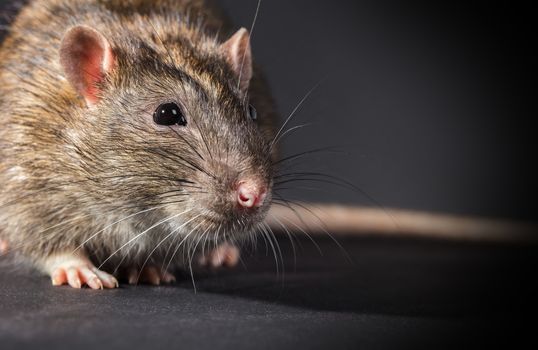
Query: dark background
(434, 101)
(435, 104)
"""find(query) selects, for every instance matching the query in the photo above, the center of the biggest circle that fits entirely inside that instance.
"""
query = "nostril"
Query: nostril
(250, 195)
(243, 197)
(246, 197)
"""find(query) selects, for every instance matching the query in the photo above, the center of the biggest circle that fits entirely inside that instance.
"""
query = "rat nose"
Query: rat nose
(250, 194)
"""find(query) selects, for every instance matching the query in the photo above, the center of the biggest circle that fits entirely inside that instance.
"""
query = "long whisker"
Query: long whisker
(291, 240)
(249, 36)
(337, 181)
(292, 129)
(188, 143)
(180, 243)
(272, 234)
(322, 226)
(142, 233)
(300, 229)
(301, 154)
(114, 223)
(264, 239)
(41, 236)
(265, 230)
(121, 261)
(305, 97)
(191, 255)
(202, 135)
(161, 242)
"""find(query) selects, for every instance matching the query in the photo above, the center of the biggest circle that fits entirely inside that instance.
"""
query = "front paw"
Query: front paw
(78, 271)
(225, 254)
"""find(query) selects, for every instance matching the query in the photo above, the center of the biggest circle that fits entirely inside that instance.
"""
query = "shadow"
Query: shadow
(408, 277)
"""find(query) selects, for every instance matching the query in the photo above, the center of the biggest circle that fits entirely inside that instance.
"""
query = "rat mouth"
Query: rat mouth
(232, 224)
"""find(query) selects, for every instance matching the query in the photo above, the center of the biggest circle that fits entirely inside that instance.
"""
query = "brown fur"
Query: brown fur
(68, 170)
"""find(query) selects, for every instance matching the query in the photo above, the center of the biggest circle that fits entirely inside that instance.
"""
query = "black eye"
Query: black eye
(252, 112)
(169, 114)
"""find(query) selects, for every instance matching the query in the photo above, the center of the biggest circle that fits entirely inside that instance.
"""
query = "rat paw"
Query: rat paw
(76, 272)
(225, 254)
(150, 275)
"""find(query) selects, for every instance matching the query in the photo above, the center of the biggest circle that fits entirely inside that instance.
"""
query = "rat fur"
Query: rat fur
(90, 184)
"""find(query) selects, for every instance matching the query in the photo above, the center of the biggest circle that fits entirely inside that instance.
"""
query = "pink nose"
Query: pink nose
(250, 194)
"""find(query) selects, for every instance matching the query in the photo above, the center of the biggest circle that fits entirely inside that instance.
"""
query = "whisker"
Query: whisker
(301, 154)
(321, 226)
(161, 242)
(191, 255)
(180, 243)
(292, 129)
(293, 113)
(337, 181)
(264, 240)
(291, 240)
(249, 36)
(300, 229)
(142, 233)
(63, 224)
(188, 143)
(121, 261)
(266, 229)
(112, 224)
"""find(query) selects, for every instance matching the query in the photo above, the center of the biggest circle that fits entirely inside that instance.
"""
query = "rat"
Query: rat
(138, 137)
(135, 135)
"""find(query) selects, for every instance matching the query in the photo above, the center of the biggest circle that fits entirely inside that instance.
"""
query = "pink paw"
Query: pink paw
(225, 254)
(77, 272)
(150, 275)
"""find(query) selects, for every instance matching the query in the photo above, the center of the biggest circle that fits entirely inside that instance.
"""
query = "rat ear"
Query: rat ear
(86, 57)
(236, 50)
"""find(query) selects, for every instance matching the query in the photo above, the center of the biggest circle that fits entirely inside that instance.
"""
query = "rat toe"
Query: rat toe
(225, 254)
(77, 271)
(73, 278)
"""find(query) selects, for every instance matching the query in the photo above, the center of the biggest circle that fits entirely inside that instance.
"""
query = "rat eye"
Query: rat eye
(169, 114)
(252, 112)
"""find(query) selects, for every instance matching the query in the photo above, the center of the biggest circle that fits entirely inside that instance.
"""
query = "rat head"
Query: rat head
(166, 127)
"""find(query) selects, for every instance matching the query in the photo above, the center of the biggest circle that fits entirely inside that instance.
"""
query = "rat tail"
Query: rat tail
(354, 220)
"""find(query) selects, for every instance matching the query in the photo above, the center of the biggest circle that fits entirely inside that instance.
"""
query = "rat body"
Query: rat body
(128, 140)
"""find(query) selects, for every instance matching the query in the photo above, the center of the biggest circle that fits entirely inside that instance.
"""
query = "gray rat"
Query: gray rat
(134, 134)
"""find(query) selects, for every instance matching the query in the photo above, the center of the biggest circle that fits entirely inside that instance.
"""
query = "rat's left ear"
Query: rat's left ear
(86, 57)
(236, 50)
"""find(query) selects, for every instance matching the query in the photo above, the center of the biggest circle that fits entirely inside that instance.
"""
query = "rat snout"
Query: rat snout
(250, 193)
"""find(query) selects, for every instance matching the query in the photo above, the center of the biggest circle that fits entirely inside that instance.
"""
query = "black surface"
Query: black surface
(392, 294)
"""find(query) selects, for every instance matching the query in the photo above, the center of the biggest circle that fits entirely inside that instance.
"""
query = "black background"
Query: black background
(433, 101)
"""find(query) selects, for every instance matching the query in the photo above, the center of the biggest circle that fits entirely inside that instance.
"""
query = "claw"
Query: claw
(78, 271)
